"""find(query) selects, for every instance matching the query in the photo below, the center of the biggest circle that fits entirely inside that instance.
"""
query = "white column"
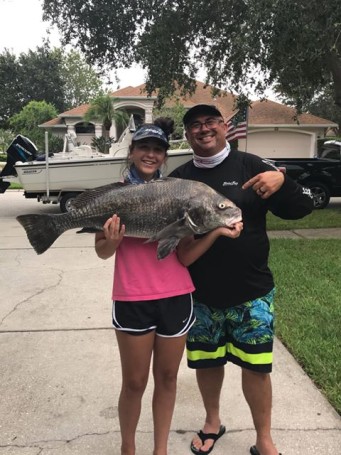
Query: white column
(113, 131)
(71, 129)
(98, 130)
(148, 115)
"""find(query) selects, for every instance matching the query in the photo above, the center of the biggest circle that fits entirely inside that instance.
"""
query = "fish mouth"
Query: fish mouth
(233, 221)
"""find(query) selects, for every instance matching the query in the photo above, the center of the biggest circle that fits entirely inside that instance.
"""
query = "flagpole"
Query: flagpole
(247, 127)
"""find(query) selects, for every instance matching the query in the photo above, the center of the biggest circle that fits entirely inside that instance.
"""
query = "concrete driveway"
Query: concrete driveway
(60, 370)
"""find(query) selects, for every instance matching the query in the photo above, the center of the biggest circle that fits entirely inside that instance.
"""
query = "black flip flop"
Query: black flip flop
(204, 436)
(254, 451)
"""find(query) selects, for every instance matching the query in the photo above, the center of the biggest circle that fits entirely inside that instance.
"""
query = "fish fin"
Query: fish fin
(89, 195)
(180, 228)
(166, 247)
(177, 229)
(41, 230)
(89, 230)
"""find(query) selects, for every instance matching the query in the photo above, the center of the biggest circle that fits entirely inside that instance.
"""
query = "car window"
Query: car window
(331, 154)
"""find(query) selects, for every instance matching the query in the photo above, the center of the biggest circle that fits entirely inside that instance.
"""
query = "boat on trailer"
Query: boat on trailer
(61, 177)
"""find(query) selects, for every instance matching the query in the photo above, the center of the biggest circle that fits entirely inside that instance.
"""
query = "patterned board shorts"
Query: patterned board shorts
(241, 334)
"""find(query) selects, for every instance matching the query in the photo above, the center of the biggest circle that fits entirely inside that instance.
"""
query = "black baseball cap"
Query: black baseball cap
(150, 131)
(200, 109)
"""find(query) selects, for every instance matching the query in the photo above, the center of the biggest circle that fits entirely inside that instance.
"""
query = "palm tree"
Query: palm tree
(102, 108)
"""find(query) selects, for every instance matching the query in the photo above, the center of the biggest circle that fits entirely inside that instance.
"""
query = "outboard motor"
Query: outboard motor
(20, 149)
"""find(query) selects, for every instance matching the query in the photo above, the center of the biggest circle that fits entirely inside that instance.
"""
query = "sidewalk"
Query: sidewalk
(325, 233)
(60, 373)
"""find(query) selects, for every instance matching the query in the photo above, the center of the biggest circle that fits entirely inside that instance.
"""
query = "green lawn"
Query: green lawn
(325, 218)
(15, 186)
(308, 301)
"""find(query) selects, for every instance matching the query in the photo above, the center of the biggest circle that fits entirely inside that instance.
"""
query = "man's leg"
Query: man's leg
(258, 394)
(210, 381)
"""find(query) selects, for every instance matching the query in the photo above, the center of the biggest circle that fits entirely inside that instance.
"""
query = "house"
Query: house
(273, 130)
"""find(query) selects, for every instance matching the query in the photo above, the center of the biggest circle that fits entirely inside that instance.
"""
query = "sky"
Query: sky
(22, 28)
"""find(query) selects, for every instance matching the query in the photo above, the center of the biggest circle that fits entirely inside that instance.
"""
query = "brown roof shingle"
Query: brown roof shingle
(271, 113)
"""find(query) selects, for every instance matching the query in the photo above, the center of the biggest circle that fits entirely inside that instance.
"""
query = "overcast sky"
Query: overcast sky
(22, 28)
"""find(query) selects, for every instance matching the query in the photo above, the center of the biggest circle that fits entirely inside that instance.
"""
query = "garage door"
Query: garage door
(278, 144)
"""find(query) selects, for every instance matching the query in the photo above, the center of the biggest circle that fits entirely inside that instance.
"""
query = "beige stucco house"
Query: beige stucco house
(273, 130)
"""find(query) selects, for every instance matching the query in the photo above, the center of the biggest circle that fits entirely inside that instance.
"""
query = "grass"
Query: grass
(15, 186)
(325, 218)
(308, 281)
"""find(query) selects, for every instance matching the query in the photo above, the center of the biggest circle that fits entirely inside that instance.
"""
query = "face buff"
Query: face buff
(211, 161)
(133, 177)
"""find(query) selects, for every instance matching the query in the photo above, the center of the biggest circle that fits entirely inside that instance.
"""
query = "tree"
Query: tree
(102, 109)
(323, 106)
(6, 137)
(81, 83)
(41, 77)
(26, 122)
(296, 44)
(10, 100)
(32, 76)
(175, 112)
(61, 78)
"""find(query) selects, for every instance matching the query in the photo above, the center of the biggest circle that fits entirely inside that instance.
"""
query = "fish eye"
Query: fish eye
(222, 205)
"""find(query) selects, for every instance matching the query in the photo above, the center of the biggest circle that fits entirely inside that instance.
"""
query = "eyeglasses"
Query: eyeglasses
(209, 123)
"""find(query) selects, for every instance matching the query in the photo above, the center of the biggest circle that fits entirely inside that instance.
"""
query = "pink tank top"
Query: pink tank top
(139, 275)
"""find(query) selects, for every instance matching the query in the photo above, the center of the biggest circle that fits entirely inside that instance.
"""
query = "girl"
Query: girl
(152, 302)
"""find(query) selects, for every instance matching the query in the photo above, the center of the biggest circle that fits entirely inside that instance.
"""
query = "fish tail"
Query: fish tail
(41, 230)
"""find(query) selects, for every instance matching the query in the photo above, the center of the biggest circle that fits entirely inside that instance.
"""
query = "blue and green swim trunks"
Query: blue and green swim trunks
(241, 334)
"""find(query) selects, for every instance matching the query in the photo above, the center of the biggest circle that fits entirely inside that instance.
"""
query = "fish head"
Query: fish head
(209, 213)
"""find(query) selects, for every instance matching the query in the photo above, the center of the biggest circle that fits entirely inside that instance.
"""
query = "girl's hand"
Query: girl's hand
(108, 240)
(113, 230)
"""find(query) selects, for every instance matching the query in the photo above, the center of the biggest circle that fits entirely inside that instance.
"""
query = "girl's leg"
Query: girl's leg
(167, 356)
(135, 352)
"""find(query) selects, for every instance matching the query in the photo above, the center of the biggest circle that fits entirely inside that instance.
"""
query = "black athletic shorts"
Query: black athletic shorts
(170, 317)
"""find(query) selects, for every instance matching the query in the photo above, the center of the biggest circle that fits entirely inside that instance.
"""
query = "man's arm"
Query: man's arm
(284, 197)
(292, 201)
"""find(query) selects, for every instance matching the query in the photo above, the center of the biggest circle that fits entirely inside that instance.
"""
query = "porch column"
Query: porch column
(71, 129)
(113, 131)
(98, 130)
(148, 112)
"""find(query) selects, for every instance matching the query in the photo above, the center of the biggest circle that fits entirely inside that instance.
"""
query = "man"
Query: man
(234, 285)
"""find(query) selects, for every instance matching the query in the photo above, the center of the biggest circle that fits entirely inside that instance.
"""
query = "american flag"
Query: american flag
(237, 125)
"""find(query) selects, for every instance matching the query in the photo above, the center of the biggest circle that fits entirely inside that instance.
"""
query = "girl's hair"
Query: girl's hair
(166, 124)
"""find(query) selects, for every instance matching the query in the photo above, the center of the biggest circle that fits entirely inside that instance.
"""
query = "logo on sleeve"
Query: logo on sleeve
(307, 192)
(234, 183)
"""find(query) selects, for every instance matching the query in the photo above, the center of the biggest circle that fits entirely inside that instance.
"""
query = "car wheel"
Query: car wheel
(66, 202)
(321, 194)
